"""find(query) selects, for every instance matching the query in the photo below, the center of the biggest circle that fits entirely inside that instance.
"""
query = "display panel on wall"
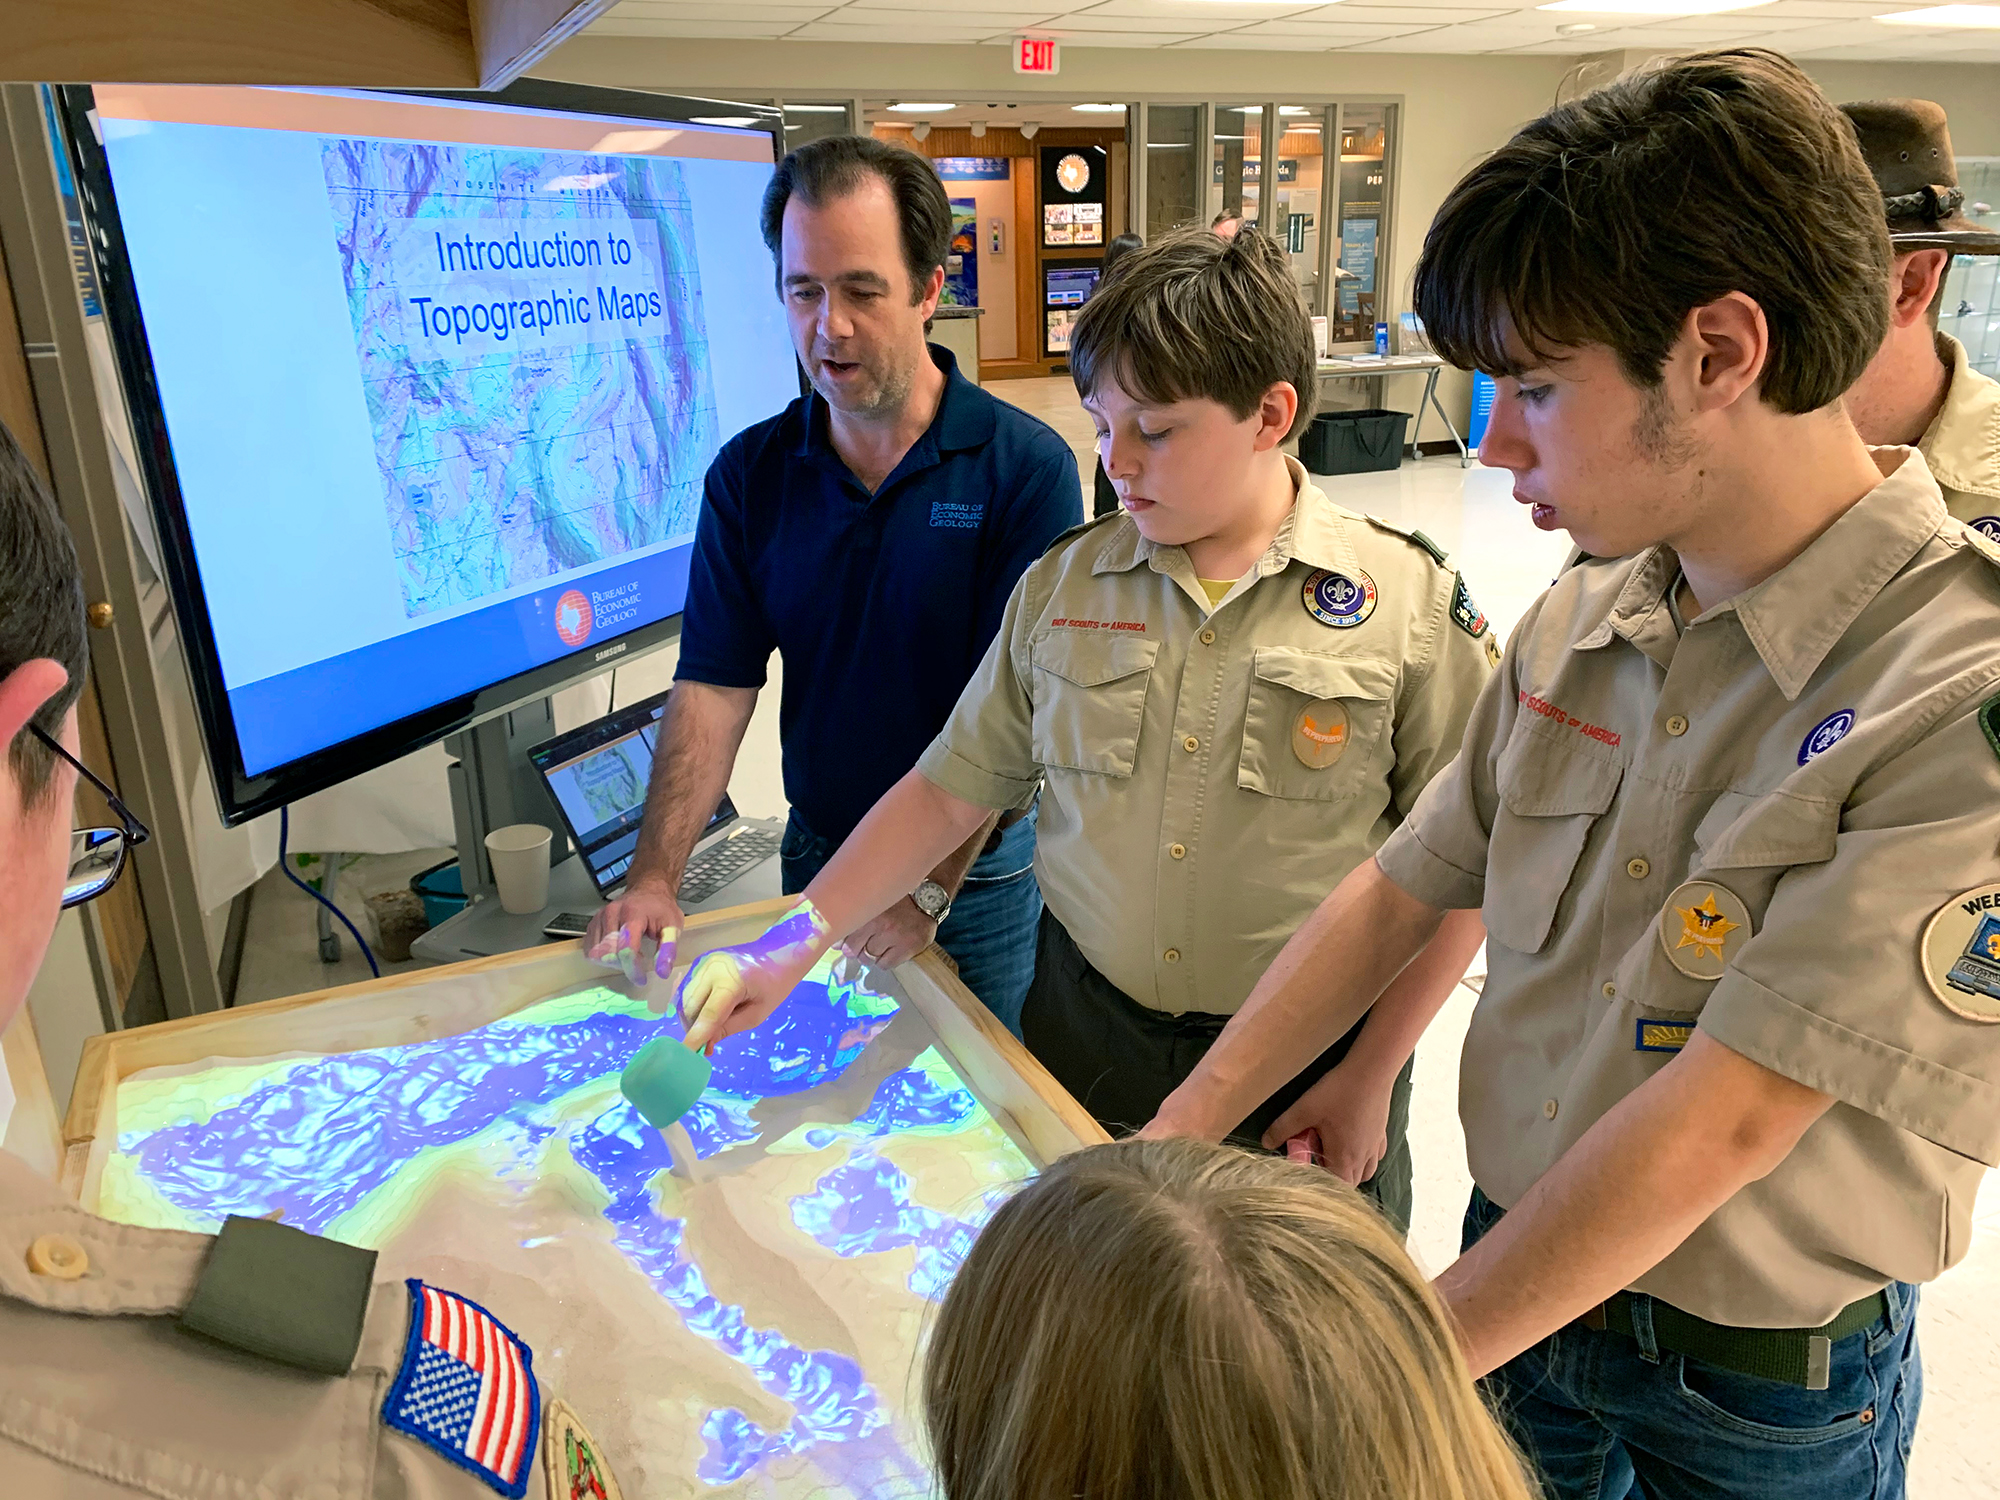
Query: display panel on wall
(1072, 190)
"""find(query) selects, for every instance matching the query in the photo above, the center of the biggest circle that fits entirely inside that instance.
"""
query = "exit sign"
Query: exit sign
(1037, 54)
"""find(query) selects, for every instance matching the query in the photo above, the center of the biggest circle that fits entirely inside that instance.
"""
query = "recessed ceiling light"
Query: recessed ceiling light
(922, 109)
(815, 109)
(1248, 109)
(1293, 109)
(1098, 109)
(1987, 16)
(734, 120)
(1653, 7)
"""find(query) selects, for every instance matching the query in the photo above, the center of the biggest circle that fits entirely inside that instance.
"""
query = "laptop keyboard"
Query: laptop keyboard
(721, 862)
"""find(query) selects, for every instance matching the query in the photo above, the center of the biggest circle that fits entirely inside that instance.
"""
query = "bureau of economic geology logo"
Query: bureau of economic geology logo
(573, 617)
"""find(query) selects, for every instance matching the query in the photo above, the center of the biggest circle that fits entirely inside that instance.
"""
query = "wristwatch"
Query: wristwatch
(933, 900)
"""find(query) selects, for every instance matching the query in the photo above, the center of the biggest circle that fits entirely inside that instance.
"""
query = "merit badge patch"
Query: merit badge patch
(1319, 733)
(466, 1389)
(1464, 613)
(1661, 1036)
(1701, 928)
(1827, 733)
(1986, 526)
(1961, 954)
(572, 1463)
(1337, 600)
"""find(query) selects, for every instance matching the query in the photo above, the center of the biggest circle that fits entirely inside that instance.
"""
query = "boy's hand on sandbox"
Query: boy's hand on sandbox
(728, 990)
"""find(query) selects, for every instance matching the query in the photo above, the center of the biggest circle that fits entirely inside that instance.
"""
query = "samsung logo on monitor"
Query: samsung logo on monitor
(610, 651)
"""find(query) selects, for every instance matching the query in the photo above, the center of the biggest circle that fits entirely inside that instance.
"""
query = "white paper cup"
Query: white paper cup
(520, 856)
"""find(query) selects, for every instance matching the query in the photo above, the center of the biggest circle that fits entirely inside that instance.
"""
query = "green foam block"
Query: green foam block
(665, 1080)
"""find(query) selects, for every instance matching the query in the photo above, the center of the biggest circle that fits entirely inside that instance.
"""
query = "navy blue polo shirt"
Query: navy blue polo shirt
(882, 605)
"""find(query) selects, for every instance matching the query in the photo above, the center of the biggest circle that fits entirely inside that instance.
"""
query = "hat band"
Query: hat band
(1931, 201)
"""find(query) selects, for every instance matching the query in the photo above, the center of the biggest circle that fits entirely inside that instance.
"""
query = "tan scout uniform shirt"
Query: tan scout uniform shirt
(102, 1397)
(1963, 444)
(1809, 756)
(1211, 776)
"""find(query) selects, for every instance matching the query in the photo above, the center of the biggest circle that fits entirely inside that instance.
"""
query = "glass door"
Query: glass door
(1236, 167)
(1173, 188)
(1295, 192)
(1360, 223)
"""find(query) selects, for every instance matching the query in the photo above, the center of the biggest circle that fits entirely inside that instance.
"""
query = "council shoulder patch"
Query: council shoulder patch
(466, 1389)
(572, 1463)
(1702, 927)
(1464, 613)
(1960, 954)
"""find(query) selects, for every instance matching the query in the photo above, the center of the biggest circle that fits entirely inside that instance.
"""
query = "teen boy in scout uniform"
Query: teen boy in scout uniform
(1919, 390)
(1731, 806)
(1234, 690)
(263, 1361)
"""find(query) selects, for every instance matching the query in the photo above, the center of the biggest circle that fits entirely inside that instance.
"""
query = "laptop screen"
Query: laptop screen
(597, 774)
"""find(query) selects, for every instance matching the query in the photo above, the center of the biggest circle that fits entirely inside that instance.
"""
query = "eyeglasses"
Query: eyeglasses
(96, 855)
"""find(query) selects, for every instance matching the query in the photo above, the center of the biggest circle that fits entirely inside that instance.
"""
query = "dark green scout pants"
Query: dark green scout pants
(1120, 1059)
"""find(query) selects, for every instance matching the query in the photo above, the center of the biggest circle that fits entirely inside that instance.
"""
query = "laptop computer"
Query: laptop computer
(597, 775)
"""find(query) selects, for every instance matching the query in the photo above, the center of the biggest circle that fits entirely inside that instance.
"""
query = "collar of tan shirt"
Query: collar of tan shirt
(1963, 444)
(1795, 616)
(1313, 532)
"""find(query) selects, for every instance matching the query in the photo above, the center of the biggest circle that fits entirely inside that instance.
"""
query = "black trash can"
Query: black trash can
(1354, 442)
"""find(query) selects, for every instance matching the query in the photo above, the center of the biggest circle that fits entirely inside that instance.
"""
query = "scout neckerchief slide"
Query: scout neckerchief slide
(467, 1389)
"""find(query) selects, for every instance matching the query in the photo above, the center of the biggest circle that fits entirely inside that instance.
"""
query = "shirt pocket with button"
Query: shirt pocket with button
(1551, 795)
(1285, 683)
(1090, 700)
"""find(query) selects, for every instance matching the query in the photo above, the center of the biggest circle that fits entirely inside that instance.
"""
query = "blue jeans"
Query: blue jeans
(990, 933)
(1607, 1418)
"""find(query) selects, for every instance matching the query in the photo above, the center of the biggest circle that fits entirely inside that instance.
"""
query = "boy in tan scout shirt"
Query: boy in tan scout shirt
(263, 1361)
(1731, 806)
(1229, 695)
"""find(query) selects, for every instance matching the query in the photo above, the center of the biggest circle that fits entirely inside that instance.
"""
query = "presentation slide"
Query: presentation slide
(441, 380)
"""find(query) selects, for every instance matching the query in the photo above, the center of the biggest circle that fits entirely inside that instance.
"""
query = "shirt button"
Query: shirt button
(59, 1256)
(1178, 851)
(1677, 726)
(1637, 868)
(1549, 1108)
(1208, 637)
(1610, 990)
(1172, 955)
(1190, 744)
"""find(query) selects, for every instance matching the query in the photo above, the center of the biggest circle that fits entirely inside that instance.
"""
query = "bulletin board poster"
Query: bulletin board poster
(973, 168)
(1357, 255)
(961, 262)
(1073, 195)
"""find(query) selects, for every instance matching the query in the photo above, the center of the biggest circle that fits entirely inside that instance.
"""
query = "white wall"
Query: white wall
(1454, 108)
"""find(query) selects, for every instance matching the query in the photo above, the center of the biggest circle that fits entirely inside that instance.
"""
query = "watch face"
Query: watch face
(932, 899)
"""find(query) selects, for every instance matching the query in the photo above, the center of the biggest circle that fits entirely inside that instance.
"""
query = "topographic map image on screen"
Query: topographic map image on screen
(533, 353)
(732, 1305)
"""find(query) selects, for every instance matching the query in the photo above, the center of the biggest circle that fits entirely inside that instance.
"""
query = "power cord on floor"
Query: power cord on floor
(285, 864)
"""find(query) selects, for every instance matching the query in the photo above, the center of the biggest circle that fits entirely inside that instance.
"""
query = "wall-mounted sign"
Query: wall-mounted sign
(1073, 201)
(972, 168)
(1288, 169)
(1037, 54)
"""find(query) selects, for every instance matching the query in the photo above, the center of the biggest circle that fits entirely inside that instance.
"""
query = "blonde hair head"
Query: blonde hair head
(1166, 1320)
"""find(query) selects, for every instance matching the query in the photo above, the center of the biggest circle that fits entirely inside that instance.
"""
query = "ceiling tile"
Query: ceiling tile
(1274, 30)
(981, 20)
(1205, 15)
(928, 31)
(709, 10)
(1019, 11)
(742, 30)
(1405, 14)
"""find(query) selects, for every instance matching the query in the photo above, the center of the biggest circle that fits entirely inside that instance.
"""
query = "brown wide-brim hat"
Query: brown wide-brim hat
(1908, 148)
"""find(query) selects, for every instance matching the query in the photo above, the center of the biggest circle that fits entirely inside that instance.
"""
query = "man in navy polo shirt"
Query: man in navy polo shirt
(871, 533)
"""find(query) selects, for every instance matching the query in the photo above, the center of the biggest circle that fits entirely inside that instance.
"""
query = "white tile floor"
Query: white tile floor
(1506, 562)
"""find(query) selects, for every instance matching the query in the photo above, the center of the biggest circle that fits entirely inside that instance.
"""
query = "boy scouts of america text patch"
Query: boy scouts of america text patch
(466, 1389)
(1960, 954)
(1340, 601)
(1464, 612)
(1702, 927)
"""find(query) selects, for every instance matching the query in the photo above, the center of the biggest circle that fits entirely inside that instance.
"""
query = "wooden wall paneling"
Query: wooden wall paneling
(1028, 262)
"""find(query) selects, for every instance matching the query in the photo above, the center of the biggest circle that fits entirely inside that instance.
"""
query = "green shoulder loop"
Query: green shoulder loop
(1411, 535)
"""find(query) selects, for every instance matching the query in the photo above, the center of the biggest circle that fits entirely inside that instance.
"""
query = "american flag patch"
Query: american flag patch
(467, 1389)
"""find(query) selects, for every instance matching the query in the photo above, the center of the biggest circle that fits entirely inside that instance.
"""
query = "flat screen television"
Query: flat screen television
(425, 387)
